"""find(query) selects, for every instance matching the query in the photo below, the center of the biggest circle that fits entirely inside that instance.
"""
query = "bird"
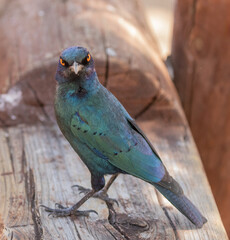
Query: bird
(106, 137)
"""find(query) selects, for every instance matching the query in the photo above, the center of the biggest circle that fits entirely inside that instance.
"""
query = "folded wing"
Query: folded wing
(124, 146)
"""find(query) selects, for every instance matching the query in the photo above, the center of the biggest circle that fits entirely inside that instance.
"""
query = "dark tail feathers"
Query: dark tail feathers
(184, 205)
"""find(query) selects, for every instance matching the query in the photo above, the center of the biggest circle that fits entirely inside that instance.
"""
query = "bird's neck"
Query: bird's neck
(88, 82)
(80, 87)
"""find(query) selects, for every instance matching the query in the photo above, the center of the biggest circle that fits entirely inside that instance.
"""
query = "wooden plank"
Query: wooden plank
(200, 56)
(50, 167)
(39, 167)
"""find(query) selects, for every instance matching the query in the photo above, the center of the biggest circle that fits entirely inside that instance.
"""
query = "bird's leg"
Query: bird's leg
(68, 211)
(110, 182)
(103, 193)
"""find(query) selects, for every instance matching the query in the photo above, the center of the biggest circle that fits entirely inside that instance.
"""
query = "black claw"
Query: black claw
(64, 211)
(44, 206)
(47, 209)
(58, 205)
(85, 213)
(81, 189)
(104, 197)
(78, 186)
(112, 200)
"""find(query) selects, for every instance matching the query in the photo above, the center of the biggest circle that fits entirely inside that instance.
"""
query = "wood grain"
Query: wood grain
(38, 166)
(114, 32)
(201, 58)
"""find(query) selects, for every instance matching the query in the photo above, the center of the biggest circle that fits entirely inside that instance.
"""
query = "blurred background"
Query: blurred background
(198, 39)
(160, 16)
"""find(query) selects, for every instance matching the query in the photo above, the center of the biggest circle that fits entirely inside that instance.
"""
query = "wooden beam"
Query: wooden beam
(201, 58)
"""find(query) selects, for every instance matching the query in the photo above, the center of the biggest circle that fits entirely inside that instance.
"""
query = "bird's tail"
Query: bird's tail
(184, 205)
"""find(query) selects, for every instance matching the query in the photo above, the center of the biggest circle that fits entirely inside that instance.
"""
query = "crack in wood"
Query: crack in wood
(12, 235)
(39, 102)
(110, 232)
(31, 192)
(128, 227)
(20, 226)
(78, 234)
(167, 215)
(170, 222)
(10, 151)
(148, 105)
(23, 160)
(112, 221)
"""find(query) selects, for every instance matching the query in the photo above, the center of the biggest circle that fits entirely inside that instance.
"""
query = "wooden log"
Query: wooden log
(39, 37)
(38, 166)
(201, 58)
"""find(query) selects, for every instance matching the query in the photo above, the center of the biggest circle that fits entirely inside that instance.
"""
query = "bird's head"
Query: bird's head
(75, 63)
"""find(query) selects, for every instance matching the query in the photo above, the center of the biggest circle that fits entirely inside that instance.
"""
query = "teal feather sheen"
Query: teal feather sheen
(104, 135)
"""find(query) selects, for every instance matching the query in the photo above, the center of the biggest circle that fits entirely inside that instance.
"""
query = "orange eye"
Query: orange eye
(88, 57)
(62, 62)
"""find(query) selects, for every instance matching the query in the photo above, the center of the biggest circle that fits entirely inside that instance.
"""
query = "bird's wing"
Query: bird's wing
(136, 128)
(123, 144)
(167, 181)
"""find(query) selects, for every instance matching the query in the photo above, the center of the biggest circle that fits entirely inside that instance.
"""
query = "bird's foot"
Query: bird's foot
(61, 211)
(104, 196)
(101, 194)
(82, 189)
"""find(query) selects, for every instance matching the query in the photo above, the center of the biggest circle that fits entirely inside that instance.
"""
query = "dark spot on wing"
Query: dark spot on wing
(94, 133)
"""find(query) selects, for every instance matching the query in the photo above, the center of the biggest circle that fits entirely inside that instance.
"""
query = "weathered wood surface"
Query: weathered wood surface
(113, 31)
(37, 164)
(201, 57)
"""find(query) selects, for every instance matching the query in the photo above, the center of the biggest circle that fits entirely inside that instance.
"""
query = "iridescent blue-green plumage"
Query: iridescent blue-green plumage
(104, 135)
